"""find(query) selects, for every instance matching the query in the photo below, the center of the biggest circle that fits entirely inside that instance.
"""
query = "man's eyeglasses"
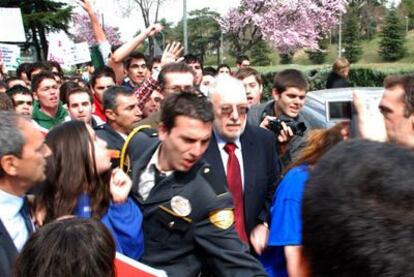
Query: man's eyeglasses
(227, 110)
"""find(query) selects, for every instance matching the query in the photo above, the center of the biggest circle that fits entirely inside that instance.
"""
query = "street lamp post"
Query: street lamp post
(406, 25)
(340, 36)
(185, 27)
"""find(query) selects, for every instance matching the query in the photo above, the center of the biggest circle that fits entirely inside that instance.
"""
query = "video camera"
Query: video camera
(275, 125)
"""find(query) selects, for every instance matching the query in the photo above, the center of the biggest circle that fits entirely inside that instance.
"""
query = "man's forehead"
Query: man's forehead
(231, 97)
(179, 78)
(47, 81)
(80, 96)
(395, 92)
(124, 100)
(104, 80)
(294, 90)
(138, 61)
(22, 96)
(250, 79)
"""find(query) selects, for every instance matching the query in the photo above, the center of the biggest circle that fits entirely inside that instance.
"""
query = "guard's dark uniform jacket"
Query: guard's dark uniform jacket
(179, 244)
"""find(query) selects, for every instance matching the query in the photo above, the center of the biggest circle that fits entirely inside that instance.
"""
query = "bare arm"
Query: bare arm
(96, 26)
(118, 56)
(296, 262)
(122, 52)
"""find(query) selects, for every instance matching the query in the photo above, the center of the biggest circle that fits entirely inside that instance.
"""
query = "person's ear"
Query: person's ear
(275, 94)
(162, 131)
(110, 114)
(9, 164)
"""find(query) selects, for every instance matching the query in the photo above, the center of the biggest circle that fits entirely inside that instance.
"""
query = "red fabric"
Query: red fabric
(145, 90)
(99, 111)
(234, 182)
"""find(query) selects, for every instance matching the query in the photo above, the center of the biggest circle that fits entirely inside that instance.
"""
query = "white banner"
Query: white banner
(80, 53)
(12, 29)
(10, 54)
(65, 52)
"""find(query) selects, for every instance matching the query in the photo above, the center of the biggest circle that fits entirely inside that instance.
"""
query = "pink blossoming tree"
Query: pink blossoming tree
(287, 24)
(83, 31)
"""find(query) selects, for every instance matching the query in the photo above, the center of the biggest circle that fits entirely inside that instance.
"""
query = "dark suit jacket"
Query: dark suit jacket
(261, 171)
(8, 252)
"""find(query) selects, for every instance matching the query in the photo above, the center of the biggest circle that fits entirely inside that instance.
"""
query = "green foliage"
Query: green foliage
(406, 8)
(391, 46)
(351, 38)
(358, 77)
(203, 31)
(286, 58)
(259, 54)
(319, 56)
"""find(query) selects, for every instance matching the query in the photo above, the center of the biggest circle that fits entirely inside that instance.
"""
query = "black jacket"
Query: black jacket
(336, 81)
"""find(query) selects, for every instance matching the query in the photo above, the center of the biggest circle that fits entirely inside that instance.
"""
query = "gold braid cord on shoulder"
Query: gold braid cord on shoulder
(125, 146)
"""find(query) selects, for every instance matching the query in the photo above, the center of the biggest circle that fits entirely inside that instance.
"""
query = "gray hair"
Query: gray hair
(11, 138)
(111, 94)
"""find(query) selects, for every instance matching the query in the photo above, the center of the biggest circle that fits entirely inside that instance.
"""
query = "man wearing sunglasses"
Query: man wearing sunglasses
(243, 158)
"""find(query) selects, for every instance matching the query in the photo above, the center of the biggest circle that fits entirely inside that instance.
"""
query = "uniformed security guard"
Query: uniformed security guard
(188, 223)
(122, 114)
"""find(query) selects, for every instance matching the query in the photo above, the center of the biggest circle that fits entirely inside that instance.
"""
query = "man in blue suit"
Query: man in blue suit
(244, 160)
(22, 163)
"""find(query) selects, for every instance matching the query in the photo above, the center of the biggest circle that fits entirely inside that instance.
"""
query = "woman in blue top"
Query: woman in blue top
(79, 181)
(283, 256)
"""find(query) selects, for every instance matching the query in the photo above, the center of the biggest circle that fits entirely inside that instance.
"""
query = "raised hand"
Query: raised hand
(86, 5)
(120, 186)
(154, 29)
(172, 52)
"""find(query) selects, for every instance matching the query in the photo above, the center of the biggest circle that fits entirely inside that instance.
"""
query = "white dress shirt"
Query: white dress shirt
(147, 179)
(13, 221)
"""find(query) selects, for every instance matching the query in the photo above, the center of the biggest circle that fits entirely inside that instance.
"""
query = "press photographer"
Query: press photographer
(282, 115)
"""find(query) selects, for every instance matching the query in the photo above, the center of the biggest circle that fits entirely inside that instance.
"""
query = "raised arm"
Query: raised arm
(96, 26)
(120, 54)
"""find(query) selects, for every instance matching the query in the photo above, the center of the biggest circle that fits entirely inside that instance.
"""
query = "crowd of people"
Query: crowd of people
(184, 168)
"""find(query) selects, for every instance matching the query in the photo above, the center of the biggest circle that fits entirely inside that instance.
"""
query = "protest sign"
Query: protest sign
(80, 53)
(10, 54)
(12, 29)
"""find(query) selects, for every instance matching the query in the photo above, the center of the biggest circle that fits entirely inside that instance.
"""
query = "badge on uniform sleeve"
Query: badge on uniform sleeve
(180, 205)
(222, 219)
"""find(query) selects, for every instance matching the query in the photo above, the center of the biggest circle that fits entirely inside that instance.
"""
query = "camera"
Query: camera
(275, 125)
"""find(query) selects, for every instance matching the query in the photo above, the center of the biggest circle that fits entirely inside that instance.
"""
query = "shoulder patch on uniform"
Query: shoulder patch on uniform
(222, 219)
(114, 153)
(150, 132)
